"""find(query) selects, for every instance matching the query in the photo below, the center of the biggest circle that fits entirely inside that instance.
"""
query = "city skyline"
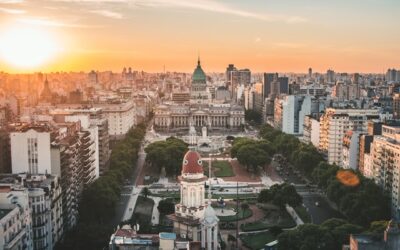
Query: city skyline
(284, 36)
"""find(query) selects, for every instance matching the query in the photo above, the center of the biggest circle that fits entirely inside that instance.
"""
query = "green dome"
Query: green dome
(198, 75)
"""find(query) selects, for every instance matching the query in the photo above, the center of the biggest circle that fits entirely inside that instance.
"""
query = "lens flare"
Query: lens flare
(348, 178)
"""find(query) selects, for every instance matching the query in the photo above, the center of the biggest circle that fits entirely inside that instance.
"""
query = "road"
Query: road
(126, 200)
(320, 212)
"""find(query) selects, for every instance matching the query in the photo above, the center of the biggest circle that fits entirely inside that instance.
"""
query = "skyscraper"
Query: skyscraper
(268, 79)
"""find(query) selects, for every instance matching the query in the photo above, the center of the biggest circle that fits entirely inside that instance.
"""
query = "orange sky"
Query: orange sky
(283, 36)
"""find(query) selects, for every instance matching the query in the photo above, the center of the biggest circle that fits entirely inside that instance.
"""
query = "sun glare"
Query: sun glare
(27, 47)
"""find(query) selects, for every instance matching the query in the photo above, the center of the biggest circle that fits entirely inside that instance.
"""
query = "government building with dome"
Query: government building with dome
(200, 111)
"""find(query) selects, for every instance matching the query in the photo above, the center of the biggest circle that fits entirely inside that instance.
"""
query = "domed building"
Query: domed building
(195, 219)
(201, 110)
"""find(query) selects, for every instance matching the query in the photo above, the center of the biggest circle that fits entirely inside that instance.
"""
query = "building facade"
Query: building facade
(199, 111)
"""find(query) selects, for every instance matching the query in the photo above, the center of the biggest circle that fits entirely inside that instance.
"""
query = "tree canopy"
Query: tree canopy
(168, 154)
(280, 195)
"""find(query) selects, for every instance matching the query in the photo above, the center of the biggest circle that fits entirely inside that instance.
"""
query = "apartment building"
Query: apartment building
(335, 123)
(385, 159)
(15, 218)
(311, 130)
(121, 117)
(42, 195)
(351, 146)
(290, 111)
(94, 121)
(63, 150)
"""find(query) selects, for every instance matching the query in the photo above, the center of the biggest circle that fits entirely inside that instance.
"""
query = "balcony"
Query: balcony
(11, 244)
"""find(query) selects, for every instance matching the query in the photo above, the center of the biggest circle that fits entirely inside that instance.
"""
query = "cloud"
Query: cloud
(214, 6)
(53, 23)
(11, 1)
(108, 13)
(12, 11)
(204, 5)
(289, 45)
(257, 40)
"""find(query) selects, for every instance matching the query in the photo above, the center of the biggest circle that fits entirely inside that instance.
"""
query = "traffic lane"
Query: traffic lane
(319, 209)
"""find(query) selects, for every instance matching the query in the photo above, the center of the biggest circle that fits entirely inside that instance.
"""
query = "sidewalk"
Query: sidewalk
(131, 203)
(155, 217)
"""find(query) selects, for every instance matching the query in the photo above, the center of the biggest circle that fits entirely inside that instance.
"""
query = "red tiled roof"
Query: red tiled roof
(192, 163)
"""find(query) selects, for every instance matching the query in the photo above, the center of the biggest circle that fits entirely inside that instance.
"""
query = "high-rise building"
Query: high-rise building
(335, 123)
(283, 85)
(65, 151)
(291, 111)
(392, 75)
(94, 121)
(396, 106)
(330, 76)
(385, 158)
(309, 72)
(237, 77)
(268, 79)
(5, 155)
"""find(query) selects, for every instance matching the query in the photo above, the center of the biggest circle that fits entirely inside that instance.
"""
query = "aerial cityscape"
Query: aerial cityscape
(199, 125)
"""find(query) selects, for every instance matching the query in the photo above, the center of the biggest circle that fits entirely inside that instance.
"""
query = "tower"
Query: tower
(195, 219)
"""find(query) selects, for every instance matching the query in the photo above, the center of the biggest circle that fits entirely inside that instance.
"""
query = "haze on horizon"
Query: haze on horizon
(262, 35)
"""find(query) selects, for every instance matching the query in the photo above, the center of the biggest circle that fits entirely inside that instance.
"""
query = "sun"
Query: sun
(27, 47)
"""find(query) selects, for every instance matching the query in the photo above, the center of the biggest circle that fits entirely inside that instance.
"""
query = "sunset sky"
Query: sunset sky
(262, 35)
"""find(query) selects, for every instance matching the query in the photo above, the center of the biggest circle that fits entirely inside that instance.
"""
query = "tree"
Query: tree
(146, 192)
(168, 154)
(275, 230)
(280, 195)
(166, 207)
(252, 156)
(252, 115)
(244, 206)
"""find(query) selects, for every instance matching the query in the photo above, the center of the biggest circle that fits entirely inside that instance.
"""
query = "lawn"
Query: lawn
(220, 169)
(143, 210)
(223, 169)
(257, 241)
(303, 214)
(277, 218)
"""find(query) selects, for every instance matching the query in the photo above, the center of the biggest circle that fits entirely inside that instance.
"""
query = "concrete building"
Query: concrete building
(396, 106)
(290, 111)
(343, 91)
(121, 117)
(237, 77)
(335, 123)
(65, 151)
(93, 121)
(391, 239)
(45, 206)
(351, 144)
(5, 149)
(15, 216)
(385, 156)
(311, 130)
